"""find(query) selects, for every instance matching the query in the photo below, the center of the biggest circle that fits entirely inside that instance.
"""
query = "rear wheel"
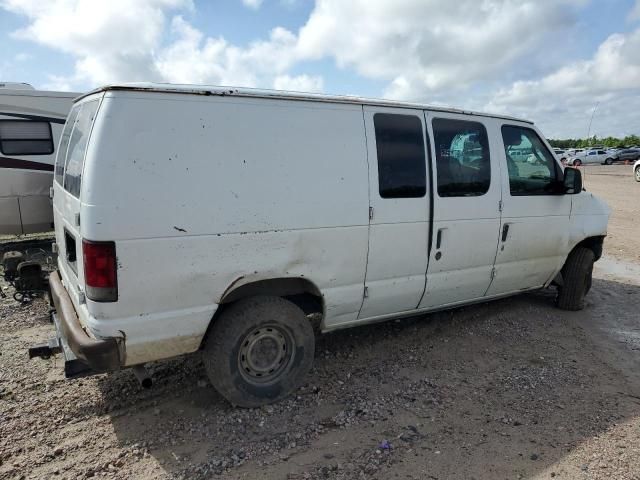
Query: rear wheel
(577, 275)
(609, 161)
(259, 351)
(637, 173)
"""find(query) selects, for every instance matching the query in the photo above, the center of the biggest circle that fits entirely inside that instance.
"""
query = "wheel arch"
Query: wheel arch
(298, 290)
(594, 243)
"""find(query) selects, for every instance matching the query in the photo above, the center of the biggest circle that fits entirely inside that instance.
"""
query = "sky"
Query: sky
(555, 62)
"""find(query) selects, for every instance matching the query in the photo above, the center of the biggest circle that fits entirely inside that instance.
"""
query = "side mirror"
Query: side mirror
(572, 181)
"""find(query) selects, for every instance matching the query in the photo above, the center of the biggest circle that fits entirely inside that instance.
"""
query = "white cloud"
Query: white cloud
(119, 41)
(111, 40)
(634, 14)
(22, 57)
(195, 58)
(422, 46)
(300, 83)
(563, 100)
(254, 4)
(58, 84)
(510, 56)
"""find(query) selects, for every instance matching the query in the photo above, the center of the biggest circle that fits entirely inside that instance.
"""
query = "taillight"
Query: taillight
(100, 271)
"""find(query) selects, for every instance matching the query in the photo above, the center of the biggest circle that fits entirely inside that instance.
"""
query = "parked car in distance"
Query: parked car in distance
(561, 155)
(630, 154)
(574, 151)
(592, 157)
(636, 170)
(213, 220)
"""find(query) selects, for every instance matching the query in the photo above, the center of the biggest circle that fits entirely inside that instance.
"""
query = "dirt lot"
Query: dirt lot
(506, 390)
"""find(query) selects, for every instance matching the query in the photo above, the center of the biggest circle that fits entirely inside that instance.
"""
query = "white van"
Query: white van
(194, 218)
(31, 122)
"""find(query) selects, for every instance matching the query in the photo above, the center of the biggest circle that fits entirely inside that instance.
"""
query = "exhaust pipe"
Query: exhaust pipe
(143, 376)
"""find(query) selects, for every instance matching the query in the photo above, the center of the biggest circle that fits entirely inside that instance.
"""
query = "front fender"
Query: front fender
(589, 218)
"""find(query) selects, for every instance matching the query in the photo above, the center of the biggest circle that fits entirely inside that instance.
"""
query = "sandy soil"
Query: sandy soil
(505, 390)
(617, 186)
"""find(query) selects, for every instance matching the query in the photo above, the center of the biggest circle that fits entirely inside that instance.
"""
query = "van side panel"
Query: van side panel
(201, 194)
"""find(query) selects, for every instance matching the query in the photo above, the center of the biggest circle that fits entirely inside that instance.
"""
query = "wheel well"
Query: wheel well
(593, 243)
(299, 291)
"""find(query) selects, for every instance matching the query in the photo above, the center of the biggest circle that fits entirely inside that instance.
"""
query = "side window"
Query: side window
(78, 146)
(402, 170)
(533, 173)
(25, 137)
(64, 144)
(462, 158)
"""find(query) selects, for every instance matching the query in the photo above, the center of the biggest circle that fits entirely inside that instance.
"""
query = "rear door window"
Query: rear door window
(64, 143)
(74, 162)
(402, 171)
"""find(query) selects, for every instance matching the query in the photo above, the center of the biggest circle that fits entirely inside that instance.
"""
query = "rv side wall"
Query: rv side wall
(25, 181)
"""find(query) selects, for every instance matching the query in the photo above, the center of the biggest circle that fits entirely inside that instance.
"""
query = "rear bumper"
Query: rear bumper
(101, 355)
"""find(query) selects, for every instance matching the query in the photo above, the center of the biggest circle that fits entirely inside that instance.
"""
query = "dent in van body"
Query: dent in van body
(174, 315)
(589, 218)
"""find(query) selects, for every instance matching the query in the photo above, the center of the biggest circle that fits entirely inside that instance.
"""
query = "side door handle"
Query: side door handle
(439, 238)
(505, 232)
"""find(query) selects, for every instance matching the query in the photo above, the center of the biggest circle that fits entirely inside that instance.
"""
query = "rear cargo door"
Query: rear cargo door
(67, 186)
(399, 210)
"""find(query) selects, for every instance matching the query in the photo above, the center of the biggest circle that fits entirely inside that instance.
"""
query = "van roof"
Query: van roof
(281, 95)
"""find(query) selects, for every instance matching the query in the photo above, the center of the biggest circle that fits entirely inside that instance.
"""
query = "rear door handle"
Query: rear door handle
(439, 238)
(505, 232)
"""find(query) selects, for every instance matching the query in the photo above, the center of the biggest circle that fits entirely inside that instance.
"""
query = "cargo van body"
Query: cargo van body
(176, 205)
(31, 122)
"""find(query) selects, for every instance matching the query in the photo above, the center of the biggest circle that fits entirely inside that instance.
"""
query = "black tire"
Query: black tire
(637, 174)
(608, 161)
(259, 350)
(577, 275)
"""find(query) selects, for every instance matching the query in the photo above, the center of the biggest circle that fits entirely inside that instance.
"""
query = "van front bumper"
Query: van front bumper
(100, 355)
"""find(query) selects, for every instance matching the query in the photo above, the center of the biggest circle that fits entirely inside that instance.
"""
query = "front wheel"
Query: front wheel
(608, 161)
(637, 173)
(259, 350)
(577, 275)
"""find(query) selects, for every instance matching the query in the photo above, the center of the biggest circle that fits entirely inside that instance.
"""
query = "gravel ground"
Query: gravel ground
(505, 390)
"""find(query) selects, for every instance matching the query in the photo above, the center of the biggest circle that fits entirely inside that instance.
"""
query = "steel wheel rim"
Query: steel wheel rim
(638, 174)
(265, 353)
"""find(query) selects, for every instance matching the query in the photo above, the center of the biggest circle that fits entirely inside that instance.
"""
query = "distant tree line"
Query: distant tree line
(627, 141)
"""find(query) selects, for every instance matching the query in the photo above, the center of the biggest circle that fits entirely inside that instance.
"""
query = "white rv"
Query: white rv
(31, 122)
(193, 218)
